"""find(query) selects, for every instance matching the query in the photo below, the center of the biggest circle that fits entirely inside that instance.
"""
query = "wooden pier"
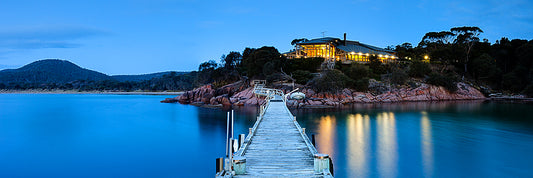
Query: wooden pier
(276, 146)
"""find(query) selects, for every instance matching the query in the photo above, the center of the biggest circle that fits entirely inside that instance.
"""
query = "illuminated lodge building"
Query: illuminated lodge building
(335, 49)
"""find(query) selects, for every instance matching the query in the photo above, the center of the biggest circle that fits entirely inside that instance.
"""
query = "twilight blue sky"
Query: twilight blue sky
(144, 36)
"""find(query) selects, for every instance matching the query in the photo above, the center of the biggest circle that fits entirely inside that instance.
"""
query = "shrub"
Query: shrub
(448, 81)
(306, 64)
(330, 81)
(376, 65)
(275, 77)
(528, 91)
(361, 84)
(398, 76)
(302, 76)
(419, 69)
(357, 71)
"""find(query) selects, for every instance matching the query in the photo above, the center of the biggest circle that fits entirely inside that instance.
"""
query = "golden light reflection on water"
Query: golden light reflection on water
(427, 144)
(325, 140)
(357, 139)
(387, 145)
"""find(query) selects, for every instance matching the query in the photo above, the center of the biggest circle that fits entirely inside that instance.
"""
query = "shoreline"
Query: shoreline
(377, 103)
(87, 92)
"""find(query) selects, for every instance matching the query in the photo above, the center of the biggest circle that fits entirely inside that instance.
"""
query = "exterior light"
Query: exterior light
(386, 56)
(426, 57)
(380, 55)
(360, 53)
(352, 53)
(367, 54)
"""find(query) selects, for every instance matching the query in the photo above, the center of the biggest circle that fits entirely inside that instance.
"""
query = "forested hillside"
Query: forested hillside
(50, 71)
(61, 74)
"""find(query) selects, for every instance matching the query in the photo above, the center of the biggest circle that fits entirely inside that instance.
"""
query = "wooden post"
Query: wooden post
(239, 164)
(231, 140)
(241, 140)
(235, 145)
(219, 165)
(227, 135)
(331, 166)
(321, 162)
(230, 149)
(313, 139)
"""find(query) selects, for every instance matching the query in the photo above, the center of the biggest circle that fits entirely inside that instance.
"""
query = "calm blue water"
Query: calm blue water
(46, 135)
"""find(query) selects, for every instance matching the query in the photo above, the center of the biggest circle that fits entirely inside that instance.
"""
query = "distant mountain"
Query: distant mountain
(62, 74)
(50, 71)
(142, 77)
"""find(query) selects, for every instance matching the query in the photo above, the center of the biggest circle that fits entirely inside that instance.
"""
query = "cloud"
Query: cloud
(45, 37)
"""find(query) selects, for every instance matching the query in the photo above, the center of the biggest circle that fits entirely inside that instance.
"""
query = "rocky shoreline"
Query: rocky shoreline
(241, 94)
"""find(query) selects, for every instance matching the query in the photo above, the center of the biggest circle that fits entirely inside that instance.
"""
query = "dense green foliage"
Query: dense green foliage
(330, 81)
(359, 73)
(419, 69)
(506, 65)
(398, 76)
(529, 91)
(262, 62)
(448, 80)
(143, 77)
(306, 64)
(302, 76)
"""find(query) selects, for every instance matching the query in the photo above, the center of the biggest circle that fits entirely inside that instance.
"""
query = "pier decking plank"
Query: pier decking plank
(277, 149)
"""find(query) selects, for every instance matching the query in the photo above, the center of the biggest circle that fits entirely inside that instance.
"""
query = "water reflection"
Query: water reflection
(387, 144)
(427, 144)
(358, 145)
(326, 138)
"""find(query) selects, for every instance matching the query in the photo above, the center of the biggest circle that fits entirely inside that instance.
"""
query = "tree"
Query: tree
(232, 60)
(295, 41)
(205, 72)
(419, 69)
(256, 61)
(442, 37)
(376, 65)
(485, 69)
(466, 37)
(404, 51)
(209, 65)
